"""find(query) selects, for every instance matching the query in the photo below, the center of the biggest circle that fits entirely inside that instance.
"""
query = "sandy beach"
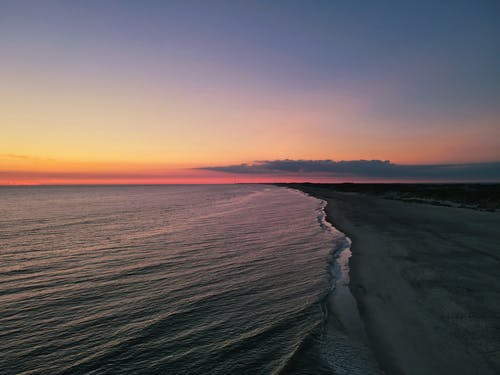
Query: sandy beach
(426, 280)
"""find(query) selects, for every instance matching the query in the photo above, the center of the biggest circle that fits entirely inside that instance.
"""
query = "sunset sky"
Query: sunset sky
(228, 91)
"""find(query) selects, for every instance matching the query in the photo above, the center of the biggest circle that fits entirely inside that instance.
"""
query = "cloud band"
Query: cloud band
(368, 169)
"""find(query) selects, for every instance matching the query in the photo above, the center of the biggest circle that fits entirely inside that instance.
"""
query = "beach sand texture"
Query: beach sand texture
(426, 280)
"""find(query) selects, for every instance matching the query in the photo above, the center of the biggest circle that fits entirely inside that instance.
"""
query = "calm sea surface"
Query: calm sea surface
(160, 279)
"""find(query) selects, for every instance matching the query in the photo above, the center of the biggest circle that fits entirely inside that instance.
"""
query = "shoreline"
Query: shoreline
(339, 345)
(344, 329)
(424, 279)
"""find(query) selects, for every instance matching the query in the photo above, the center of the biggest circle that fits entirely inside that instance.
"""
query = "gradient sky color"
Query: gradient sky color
(150, 91)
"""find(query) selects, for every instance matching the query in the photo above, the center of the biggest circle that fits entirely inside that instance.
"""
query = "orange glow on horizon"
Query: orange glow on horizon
(18, 169)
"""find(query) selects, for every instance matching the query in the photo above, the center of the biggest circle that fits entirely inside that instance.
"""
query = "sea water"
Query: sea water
(178, 279)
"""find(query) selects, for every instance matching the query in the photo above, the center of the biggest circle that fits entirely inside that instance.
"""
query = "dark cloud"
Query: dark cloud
(366, 169)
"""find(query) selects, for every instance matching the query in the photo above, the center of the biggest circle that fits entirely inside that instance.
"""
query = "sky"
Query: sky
(233, 91)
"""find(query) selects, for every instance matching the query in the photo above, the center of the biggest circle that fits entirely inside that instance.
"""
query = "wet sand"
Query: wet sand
(426, 280)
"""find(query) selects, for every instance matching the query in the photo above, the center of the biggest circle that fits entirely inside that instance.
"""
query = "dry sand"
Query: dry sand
(426, 280)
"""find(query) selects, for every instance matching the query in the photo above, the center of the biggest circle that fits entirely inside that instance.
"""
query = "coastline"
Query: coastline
(425, 281)
(339, 344)
(344, 345)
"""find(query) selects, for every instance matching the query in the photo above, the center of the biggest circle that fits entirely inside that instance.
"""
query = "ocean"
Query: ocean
(180, 279)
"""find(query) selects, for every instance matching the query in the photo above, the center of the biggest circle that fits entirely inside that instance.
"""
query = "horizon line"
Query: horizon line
(264, 183)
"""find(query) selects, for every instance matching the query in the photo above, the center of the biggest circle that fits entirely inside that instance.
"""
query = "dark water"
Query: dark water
(161, 279)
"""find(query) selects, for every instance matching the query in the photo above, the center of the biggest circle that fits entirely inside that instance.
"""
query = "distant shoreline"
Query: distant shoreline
(478, 196)
(424, 276)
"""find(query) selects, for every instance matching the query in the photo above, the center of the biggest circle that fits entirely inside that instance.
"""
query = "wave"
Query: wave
(332, 348)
